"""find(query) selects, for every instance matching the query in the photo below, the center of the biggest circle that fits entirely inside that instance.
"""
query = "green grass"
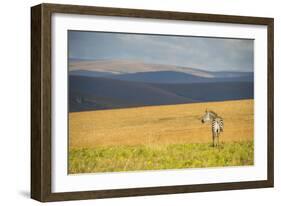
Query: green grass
(172, 156)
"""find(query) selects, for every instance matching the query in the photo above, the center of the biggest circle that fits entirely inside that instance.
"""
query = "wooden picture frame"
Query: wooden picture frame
(41, 116)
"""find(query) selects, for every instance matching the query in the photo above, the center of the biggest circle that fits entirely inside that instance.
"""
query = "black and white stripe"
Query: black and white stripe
(217, 125)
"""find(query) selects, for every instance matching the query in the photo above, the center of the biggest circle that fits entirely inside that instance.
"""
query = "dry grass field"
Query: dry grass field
(159, 137)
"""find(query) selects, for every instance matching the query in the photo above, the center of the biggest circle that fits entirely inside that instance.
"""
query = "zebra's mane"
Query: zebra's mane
(213, 113)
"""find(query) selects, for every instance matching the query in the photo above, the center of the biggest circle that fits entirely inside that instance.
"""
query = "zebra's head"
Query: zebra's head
(208, 116)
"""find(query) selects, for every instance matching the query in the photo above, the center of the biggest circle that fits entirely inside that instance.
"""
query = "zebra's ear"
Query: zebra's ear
(206, 110)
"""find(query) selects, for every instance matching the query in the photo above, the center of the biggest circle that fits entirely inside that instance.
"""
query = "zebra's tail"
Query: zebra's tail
(221, 126)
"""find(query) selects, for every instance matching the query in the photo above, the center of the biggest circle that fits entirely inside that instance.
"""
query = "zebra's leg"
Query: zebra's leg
(217, 139)
(214, 139)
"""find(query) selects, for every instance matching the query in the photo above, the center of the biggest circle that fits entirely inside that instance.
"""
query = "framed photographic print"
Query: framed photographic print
(132, 102)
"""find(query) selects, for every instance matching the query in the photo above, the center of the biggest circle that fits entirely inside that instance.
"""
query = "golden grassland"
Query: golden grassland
(159, 124)
(159, 137)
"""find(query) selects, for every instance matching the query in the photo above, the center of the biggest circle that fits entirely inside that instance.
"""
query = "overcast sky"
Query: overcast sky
(211, 54)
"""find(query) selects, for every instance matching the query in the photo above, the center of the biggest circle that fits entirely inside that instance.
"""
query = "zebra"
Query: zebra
(217, 125)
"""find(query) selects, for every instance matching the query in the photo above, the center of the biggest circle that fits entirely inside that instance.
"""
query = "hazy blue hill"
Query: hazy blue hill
(170, 77)
(134, 70)
(173, 77)
(235, 76)
(87, 73)
(213, 91)
(232, 74)
(93, 93)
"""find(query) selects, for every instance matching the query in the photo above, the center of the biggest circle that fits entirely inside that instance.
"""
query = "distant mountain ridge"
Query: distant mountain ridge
(171, 77)
(131, 66)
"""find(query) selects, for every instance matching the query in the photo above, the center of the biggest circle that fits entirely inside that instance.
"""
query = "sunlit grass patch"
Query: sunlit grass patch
(156, 157)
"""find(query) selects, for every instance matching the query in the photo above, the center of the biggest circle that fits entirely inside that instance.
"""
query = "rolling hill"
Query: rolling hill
(108, 84)
(171, 77)
(94, 93)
